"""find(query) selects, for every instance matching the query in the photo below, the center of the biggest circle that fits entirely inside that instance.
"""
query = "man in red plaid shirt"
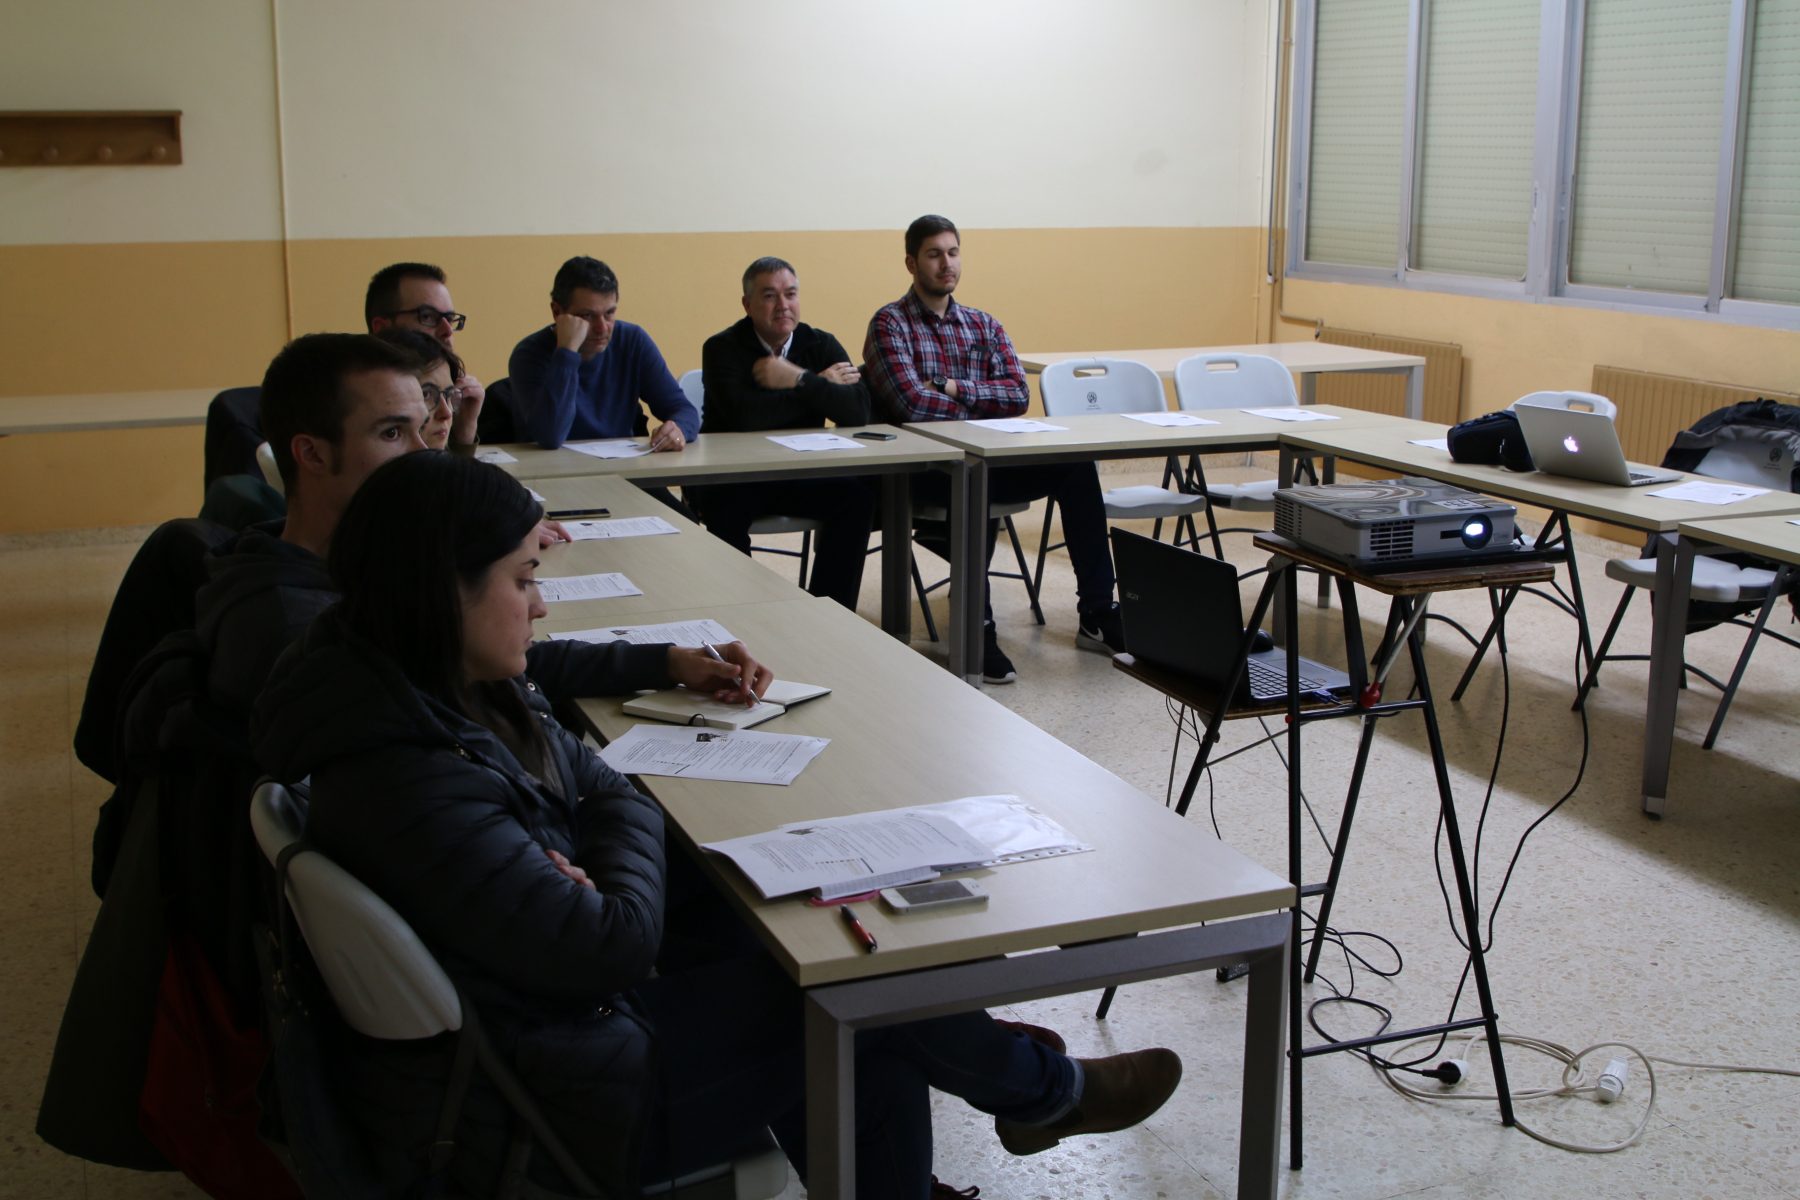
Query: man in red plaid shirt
(929, 358)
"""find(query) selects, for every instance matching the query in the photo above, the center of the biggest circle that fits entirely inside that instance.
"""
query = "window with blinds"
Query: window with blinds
(1768, 216)
(1477, 105)
(1647, 151)
(1358, 124)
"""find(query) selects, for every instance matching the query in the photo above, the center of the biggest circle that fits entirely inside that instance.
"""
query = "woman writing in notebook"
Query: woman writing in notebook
(537, 876)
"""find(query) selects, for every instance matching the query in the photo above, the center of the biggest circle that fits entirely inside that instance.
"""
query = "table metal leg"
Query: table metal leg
(1668, 630)
(968, 594)
(1415, 392)
(896, 555)
(1259, 1122)
(830, 1105)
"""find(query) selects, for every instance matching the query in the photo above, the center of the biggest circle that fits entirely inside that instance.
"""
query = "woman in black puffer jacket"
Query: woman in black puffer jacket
(536, 874)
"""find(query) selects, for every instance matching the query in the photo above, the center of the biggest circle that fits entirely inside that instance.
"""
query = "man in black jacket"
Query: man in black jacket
(769, 371)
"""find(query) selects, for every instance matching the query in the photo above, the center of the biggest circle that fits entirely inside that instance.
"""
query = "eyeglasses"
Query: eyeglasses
(433, 393)
(428, 317)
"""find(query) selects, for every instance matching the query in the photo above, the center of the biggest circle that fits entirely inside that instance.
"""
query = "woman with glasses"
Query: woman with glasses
(537, 876)
(440, 373)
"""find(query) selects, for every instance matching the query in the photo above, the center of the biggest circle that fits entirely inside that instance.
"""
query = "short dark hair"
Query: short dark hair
(929, 225)
(768, 264)
(303, 389)
(420, 528)
(583, 272)
(383, 296)
(429, 351)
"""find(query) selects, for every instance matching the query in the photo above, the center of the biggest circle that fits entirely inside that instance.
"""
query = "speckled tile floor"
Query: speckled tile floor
(1677, 936)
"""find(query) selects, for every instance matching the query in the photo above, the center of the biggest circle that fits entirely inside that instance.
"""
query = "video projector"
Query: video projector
(1385, 524)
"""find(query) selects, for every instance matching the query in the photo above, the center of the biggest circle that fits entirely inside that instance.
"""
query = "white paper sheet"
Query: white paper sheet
(847, 854)
(1020, 425)
(1012, 830)
(1708, 493)
(817, 441)
(1291, 414)
(681, 633)
(603, 586)
(495, 455)
(618, 527)
(1168, 420)
(1794, 521)
(610, 448)
(735, 756)
(1431, 443)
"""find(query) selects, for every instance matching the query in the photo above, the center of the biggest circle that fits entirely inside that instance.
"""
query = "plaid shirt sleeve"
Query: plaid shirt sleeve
(903, 354)
(901, 364)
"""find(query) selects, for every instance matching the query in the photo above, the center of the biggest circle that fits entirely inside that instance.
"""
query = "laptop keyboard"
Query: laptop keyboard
(1266, 680)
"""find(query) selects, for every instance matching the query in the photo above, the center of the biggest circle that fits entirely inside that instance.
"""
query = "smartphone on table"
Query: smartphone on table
(939, 893)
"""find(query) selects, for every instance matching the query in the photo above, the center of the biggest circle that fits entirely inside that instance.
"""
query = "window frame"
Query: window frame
(1561, 29)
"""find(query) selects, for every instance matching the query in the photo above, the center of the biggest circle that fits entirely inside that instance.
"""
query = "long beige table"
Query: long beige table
(1087, 437)
(902, 732)
(1771, 537)
(1307, 361)
(1634, 508)
(86, 411)
(692, 566)
(752, 457)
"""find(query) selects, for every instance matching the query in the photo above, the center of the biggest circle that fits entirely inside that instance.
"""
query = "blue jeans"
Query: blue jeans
(732, 1062)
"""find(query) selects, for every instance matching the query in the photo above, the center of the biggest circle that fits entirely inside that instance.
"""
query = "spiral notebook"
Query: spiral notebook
(679, 706)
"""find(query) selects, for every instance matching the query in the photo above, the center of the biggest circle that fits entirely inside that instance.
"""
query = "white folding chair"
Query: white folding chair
(695, 391)
(386, 984)
(1117, 385)
(1205, 381)
(1716, 580)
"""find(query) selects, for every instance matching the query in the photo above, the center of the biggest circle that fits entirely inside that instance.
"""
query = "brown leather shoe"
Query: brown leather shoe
(1036, 1033)
(1118, 1092)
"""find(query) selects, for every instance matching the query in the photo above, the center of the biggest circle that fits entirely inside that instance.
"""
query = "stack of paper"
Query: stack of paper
(682, 633)
(733, 757)
(1169, 420)
(495, 455)
(610, 448)
(1291, 414)
(618, 527)
(817, 441)
(1708, 493)
(587, 587)
(1019, 425)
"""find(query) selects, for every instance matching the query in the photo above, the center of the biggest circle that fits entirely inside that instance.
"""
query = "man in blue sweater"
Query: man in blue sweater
(584, 375)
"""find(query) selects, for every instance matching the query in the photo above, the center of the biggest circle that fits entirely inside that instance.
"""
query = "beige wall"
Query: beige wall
(1108, 172)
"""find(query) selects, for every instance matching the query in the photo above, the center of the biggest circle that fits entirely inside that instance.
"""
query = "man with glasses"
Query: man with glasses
(585, 374)
(416, 296)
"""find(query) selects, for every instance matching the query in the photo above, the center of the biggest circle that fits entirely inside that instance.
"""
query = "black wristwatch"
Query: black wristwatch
(938, 382)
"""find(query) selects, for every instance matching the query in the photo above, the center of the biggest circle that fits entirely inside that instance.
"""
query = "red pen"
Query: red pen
(857, 928)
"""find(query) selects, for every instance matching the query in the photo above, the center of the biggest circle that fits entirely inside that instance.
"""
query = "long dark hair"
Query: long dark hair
(416, 529)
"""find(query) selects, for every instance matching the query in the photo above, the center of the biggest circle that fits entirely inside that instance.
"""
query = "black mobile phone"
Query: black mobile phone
(874, 435)
(570, 514)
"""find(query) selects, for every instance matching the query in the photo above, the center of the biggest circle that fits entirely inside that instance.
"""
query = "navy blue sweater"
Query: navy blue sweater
(556, 397)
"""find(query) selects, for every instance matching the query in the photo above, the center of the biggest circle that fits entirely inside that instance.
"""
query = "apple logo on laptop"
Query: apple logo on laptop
(1571, 445)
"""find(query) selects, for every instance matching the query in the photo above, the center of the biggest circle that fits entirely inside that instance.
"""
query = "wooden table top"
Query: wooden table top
(1111, 435)
(904, 732)
(1776, 537)
(725, 456)
(1302, 358)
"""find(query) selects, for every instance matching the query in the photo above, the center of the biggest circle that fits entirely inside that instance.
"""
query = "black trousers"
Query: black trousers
(1076, 487)
(844, 508)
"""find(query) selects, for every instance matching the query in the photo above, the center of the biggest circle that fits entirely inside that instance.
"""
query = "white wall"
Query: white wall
(209, 58)
(466, 117)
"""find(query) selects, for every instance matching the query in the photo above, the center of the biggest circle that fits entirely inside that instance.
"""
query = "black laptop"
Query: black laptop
(1182, 613)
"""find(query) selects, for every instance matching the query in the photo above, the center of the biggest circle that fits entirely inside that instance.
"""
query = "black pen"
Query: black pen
(857, 928)
(570, 514)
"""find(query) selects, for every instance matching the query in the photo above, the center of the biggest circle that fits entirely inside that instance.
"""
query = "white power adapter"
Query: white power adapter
(1612, 1081)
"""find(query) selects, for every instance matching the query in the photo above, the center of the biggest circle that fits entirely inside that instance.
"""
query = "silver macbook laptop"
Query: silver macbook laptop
(1580, 445)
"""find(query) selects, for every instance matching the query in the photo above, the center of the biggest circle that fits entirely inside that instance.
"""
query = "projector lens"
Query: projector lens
(1476, 531)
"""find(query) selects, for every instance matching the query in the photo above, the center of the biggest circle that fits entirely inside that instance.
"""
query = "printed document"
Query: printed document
(681, 633)
(733, 757)
(618, 527)
(495, 455)
(830, 854)
(1019, 425)
(1708, 493)
(1168, 420)
(817, 441)
(610, 448)
(604, 586)
(1291, 414)
(1431, 443)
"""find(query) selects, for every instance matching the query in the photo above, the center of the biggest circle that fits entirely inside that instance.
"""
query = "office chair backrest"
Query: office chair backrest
(233, 428)
(385, 983)
(1580, 401)
(496, 422)
(694, 388)
(1233, 381)
(1106, 385)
